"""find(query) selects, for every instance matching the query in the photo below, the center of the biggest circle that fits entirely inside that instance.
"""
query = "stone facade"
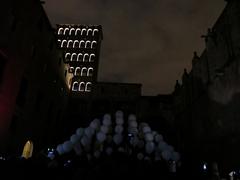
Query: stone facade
(207, 101)
(33, 96)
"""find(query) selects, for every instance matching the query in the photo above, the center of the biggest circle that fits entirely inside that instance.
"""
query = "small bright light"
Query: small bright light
(232, 173)
(130, 135)
(204, 167)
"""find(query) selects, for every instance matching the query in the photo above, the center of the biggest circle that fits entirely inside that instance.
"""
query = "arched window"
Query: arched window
(71, 70)
(94, 44)
(92, 56)
(90, 71)
(65, 31)
(89, 31)
(75, 86)
(84, 71)
(77, 71)
(67, 56)
(88, 44)
(77, 30)
(88, 87)
(60, 31)
(64, 43)
(80, 57)
(95, 31)
(81, 86)
(75, 44)
(83, 32)
(80, 44)
(71, 32)
(85, 57)
(59, 42)
(74, 57)
(70, 44)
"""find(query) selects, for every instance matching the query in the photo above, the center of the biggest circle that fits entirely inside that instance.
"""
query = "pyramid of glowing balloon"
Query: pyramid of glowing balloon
(119, 134)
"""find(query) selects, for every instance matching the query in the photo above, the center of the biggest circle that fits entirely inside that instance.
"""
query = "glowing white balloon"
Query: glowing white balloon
(119, 114)
(85, 141)
(67, 146)
(119, 121)
(148, 137)
(78, 149)
(104, 129)
(95, 124)
(166, 155)
(146, 129)
(107, 121)
(107, 117)
(89, 132)
(149, 147)
(74, 138)
(142, 125)
(118, 138)
(133, 130)
(162, 145)
(154, 133)
(158, 138)
(80, 132)
(101, 136)
(132, 117)
(51, 155)
(133, 124)
(60, 149)
(134, 141)
(119, 129)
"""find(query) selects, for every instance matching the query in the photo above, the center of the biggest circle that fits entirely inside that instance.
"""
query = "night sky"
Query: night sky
(145, 41)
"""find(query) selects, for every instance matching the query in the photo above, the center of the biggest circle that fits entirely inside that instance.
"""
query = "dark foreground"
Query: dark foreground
(114, 167)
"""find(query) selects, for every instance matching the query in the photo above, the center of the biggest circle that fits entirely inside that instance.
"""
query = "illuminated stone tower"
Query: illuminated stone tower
(80, 45)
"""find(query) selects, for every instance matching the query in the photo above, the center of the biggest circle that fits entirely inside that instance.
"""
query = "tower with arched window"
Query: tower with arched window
(80, 46)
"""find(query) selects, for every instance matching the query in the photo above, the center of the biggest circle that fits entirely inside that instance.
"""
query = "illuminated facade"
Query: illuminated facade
(80, 45)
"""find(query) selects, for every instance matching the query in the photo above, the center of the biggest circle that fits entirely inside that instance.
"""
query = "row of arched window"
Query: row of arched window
(80, 57)
(81, 71)
(78, 31)
(81, 86)
(77, 44)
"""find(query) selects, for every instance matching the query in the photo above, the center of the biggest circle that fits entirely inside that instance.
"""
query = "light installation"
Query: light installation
(80, 45)
(27, 150)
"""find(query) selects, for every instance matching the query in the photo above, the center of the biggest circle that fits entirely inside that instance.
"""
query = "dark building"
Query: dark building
(32, 95)
(207, 101)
